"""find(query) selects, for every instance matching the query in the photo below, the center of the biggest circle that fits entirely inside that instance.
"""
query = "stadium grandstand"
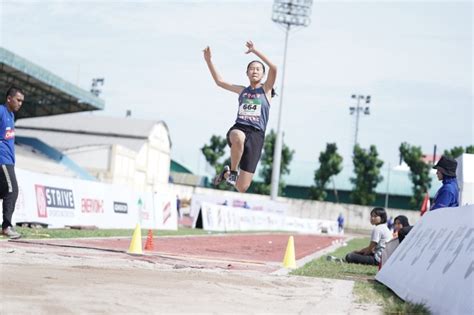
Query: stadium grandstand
(48, 94)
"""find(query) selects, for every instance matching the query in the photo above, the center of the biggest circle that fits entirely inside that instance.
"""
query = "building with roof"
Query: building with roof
(115, 150)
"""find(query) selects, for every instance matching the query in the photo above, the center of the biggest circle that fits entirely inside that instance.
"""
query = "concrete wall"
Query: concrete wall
(356, 217)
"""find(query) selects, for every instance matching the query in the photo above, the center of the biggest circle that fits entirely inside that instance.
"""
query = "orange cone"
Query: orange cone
(149, 241)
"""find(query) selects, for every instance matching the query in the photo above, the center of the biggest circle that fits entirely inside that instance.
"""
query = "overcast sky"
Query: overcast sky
(413, 57)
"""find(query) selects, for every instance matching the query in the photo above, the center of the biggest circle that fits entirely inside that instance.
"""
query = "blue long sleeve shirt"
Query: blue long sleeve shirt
(447, 195)
(7, 136)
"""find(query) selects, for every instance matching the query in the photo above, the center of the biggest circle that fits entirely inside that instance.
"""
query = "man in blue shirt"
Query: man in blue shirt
(8, 184)
(340, 223)
(448, 194)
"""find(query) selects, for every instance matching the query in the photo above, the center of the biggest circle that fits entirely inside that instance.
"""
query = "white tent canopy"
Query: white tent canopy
(465, 176)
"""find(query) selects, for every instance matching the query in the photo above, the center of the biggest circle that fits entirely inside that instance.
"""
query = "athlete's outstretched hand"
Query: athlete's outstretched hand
(250, 47)
(207, 54)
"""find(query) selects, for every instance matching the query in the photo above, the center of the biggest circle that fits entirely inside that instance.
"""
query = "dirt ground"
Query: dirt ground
(96, 276)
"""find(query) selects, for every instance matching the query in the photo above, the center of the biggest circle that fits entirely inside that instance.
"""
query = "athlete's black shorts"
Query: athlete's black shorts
(254, 139)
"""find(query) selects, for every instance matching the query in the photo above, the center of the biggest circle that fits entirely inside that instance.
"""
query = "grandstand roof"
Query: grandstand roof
(70, 131)
(46, 93)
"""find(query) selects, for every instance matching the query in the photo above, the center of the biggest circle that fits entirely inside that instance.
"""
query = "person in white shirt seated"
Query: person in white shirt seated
(371, 254)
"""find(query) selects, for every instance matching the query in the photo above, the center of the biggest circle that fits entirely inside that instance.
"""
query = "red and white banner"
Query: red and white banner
(60, 201)
(244, 201)
(224, 218)
(434, 265)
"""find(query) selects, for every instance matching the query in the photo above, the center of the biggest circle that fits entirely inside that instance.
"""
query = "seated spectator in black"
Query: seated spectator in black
(403, 232)
(399, 223)
(371, 254)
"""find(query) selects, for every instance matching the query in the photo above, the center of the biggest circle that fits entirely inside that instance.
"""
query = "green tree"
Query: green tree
(454, 152)
(419, 172)
(214, 152)
(367, 170)
(330, 164)
(266, 164)
(458, 151)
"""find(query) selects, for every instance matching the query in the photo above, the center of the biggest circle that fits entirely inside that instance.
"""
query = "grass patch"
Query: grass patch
(366, 289)
(374, 292)
(328, 269)
(33, 233)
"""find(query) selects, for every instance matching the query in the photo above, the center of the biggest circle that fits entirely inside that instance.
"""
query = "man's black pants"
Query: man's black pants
(8, 192)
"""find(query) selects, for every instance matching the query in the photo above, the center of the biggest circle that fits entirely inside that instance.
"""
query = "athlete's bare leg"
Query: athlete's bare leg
(243, 181)
(237, 140)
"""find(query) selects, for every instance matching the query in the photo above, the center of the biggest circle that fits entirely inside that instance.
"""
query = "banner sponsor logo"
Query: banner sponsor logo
(166, 212)
(120, 207)
(57, 201)
(92, 205)
(41, 201)
(9, 134)
(142, 210)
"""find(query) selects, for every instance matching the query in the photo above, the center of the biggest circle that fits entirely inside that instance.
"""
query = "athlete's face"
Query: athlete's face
(255, 72)
(14, 102)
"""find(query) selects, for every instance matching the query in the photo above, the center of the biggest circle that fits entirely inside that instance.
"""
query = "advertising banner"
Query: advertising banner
(249, 203)
(434, 264)
(224, 218)
(62, 201)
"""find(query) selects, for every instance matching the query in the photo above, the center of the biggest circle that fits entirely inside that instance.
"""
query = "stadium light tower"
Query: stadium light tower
(358, 109)
(288, 13)
(95, 89)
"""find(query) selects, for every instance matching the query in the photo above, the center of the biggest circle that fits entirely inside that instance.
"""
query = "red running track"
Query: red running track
(255, 247)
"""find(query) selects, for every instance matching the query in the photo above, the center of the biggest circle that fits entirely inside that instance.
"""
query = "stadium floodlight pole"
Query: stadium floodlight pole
(95, 86)
(288, 13)
(365, 110)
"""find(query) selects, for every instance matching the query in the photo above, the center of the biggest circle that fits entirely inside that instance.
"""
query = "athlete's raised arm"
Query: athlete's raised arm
(216, 76)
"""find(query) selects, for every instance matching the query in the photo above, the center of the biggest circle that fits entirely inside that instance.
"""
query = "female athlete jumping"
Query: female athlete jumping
(246, 136)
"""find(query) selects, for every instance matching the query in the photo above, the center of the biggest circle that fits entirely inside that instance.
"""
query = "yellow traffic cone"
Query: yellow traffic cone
(289, 261)
(136, 243)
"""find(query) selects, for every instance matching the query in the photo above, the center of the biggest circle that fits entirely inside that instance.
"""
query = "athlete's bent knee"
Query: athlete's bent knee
(237, 138)
(242, 187)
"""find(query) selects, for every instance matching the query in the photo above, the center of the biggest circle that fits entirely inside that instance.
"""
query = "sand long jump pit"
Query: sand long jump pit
(217, 274)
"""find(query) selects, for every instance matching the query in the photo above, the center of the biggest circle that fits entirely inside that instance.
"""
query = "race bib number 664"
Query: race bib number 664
(250, 107)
